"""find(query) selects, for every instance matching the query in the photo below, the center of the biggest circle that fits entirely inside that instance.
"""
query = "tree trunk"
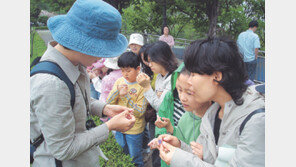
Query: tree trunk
(212, 7)
(164, 17)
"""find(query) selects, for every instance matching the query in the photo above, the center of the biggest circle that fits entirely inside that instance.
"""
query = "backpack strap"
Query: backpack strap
(249, 117)
(54, 69)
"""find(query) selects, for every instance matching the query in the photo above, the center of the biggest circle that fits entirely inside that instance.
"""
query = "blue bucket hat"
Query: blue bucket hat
(90, 27)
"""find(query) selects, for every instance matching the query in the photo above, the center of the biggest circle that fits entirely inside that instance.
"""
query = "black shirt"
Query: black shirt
(217, 126)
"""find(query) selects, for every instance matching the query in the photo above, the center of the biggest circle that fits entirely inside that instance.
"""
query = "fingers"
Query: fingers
(196, 145)
(165, 119)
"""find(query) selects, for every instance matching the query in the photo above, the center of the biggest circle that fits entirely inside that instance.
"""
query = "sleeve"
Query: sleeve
(257, 42)
(152, 98)
(96, 107)
(57, 123)
(160, 38)
(97, 82)
(173, 41)
(164, 111)
(139, 105)
(113, 95)
(250, 150)
(183, 158)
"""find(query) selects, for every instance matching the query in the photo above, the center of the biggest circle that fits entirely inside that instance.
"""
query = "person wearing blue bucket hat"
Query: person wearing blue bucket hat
(58, 124)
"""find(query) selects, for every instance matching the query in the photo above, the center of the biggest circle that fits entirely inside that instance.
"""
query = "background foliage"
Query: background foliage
(190, 19)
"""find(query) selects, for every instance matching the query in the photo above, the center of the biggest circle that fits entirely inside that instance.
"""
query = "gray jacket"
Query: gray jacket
(250, 145)
(63, 128)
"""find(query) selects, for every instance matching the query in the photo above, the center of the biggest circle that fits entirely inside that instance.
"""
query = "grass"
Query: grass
(39, 46)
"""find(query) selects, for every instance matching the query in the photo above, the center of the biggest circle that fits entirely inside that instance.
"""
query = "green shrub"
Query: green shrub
(113, 151)
(43, 19)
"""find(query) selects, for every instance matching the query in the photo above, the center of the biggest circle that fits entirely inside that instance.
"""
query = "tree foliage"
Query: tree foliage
(194, 19)
(190, 19)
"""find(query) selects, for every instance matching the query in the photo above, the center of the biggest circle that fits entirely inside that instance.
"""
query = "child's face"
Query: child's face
(130, 74)
(155, 67)
(135, 48)
(185, 95)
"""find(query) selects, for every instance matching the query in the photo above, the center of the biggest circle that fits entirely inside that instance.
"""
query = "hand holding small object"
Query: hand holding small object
(143, 80)
(123, 89)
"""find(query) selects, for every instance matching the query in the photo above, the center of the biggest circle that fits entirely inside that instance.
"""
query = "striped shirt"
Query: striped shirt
(178, 111)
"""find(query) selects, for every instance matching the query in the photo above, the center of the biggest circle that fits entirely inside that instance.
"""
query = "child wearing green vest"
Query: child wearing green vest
(187, 128)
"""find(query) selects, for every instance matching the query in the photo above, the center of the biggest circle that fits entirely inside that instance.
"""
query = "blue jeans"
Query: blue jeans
(131, 144)
(251, 69)
(93, 93)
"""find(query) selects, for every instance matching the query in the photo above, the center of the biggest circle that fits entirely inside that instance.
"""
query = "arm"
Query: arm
(153, 99)
(173, 42)
(250, 151)
(256, 52)
(251, 146)
(113, 95)
(256, 46)
(57, 123)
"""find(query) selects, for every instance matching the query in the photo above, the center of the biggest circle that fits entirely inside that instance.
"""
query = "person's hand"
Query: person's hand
(173, 140)
(162, 122)
(159, 93)
(91, 74)
(122, 89)
(122, 122)
(197, 149)
(166, 152)
(112, 110)
(155, 143)
(143, 80)
(103, 71)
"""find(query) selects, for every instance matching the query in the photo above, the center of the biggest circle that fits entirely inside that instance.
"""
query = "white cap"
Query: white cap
(136, 38)
(112, 63)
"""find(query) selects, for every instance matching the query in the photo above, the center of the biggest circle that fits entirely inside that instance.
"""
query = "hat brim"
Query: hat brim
(71, 37)
(111, 65)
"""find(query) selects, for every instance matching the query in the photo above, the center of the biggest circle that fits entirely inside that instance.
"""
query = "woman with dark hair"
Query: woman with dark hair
(163, 63)
(233, 128)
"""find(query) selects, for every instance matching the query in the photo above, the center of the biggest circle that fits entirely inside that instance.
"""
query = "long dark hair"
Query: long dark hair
(219, 54)
(160, 52)
(146, 69)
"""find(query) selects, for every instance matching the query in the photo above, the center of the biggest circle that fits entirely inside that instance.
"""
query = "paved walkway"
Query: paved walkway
(45, 35)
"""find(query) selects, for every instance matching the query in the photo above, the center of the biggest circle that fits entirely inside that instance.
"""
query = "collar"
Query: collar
(129, 83)
(54, 55)
(195, 117)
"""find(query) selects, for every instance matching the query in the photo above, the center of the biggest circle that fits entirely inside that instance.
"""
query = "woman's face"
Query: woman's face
(155, 67)
(135, 48)
(185, 95)
(203, 87)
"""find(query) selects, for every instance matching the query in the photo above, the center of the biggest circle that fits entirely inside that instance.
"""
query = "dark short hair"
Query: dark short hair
(160, 52)
(128, 59)
(219, 55)
(253, 23)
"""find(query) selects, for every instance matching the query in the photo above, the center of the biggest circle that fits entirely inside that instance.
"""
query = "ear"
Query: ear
(138, 69)
(217, 76)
